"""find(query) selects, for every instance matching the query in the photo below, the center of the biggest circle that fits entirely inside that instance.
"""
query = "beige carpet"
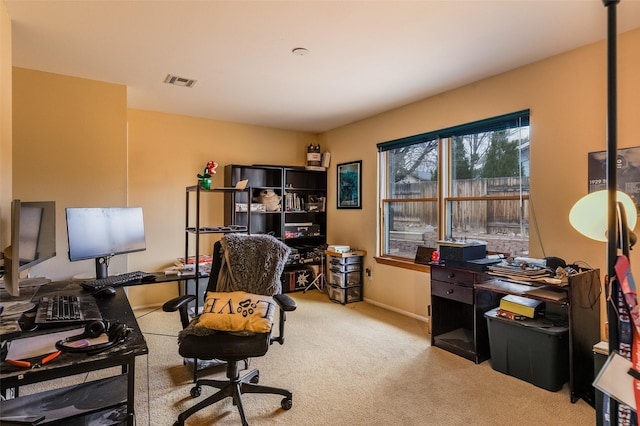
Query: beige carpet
(354, 364)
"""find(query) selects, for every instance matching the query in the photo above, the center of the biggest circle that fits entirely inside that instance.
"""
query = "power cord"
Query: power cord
(535, 225)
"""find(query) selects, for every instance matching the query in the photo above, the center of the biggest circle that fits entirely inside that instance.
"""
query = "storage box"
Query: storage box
(345, 295)
(299, 230)
(347, 267)
(462, 252)
(297, 279)
(338, 249)
(533, 350)
(345, 260)
(344, 279)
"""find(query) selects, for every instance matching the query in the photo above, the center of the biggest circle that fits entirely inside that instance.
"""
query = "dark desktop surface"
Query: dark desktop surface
(113, 309)
(159, 278)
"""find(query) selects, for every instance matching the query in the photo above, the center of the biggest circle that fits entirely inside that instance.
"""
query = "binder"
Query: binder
(522, 305)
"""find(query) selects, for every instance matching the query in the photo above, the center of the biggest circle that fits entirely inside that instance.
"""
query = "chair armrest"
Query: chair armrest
(177, 302)
(285, 303)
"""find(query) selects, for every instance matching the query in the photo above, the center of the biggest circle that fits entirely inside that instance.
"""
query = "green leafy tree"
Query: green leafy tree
(462, 164)
(502, 157)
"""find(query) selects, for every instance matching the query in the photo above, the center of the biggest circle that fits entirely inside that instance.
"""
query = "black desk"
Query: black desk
(582, 307)
(95, 397)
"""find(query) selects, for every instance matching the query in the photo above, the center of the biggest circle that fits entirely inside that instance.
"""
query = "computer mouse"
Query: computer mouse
(104, 292)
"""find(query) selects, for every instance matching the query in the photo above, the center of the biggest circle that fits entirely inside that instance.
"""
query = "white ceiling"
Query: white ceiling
(365, 57)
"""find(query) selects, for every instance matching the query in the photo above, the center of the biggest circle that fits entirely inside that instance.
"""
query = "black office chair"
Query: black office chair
(249, 263)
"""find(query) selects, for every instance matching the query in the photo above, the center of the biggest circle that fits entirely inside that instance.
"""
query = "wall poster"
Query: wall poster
(628, 170)
(350, 185)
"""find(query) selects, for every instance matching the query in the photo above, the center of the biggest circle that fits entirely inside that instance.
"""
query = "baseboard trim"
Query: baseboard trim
(400, 311)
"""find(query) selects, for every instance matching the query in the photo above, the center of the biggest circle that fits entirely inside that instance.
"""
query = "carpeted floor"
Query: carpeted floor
(354, 364)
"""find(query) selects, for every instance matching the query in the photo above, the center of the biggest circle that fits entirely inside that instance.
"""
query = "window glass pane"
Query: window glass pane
(497, 154)
(409, 224)
(413, 164)
(488, 159)
(503, 224)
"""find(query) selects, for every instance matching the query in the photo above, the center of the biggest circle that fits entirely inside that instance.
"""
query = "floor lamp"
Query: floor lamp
(612, 179)
(616, 235)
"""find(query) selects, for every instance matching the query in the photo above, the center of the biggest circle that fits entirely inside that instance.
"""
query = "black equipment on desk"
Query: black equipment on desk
(60, 309)
(116, 331)
(116, 280)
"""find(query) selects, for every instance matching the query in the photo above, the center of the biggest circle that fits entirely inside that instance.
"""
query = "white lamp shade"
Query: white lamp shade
(589, 214)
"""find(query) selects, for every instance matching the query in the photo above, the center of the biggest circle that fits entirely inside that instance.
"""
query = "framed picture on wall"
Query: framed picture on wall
(350, 185)
(627, 169)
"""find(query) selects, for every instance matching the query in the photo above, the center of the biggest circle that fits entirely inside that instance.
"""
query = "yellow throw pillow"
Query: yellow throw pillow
(237, 311)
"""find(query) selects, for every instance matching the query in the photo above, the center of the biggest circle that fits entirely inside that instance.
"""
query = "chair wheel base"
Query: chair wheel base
(286, 403)
(196, 391)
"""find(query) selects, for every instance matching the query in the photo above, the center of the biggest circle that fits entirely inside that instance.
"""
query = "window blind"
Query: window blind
(502, 122)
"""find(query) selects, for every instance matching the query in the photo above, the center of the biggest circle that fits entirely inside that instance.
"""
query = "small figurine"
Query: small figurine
(211, 167)
(205, 177)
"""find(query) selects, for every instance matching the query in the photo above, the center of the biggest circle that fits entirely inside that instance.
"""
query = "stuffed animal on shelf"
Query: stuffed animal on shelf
(270, 199)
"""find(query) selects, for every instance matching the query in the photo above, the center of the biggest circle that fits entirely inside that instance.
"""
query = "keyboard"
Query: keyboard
(66, 309)
(118, 280)
(61, 307)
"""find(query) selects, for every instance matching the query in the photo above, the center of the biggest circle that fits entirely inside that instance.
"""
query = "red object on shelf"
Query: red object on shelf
(192, 259)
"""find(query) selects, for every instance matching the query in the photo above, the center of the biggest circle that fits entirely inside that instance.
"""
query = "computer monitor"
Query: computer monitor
(100, 233)
(33, 239)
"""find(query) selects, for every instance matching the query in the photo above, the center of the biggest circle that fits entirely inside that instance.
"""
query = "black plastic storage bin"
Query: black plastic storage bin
(533, 350)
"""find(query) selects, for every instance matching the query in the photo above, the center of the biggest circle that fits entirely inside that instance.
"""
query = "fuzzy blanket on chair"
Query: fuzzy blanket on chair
(252, 263)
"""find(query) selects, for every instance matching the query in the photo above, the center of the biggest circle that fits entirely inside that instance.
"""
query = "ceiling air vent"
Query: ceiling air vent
(179, 81)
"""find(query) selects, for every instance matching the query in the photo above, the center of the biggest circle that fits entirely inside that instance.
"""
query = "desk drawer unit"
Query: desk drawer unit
(456, 324)
(453, 276)
(452, 291)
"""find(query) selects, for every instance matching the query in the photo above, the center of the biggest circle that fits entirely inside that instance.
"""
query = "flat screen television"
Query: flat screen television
(33, 239)
(101, 233)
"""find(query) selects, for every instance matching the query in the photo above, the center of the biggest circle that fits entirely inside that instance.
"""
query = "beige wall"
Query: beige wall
(88, 149)
(567, 98)
(165, 154)
(69, 146)
(5, 125)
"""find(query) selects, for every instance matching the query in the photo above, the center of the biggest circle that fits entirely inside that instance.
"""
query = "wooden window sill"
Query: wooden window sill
(402, 263)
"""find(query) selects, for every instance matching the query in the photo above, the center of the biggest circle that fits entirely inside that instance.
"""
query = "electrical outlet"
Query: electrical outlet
(368, 272)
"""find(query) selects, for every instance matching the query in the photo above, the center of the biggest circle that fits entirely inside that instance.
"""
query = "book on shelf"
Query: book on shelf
(510, 315)
(204, 258)
(522, 305)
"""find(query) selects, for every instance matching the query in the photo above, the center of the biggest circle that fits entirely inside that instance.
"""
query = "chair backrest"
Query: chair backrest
(251, 263)
(216, 264)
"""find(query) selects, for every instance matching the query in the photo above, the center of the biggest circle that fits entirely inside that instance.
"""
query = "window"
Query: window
(466, 182)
